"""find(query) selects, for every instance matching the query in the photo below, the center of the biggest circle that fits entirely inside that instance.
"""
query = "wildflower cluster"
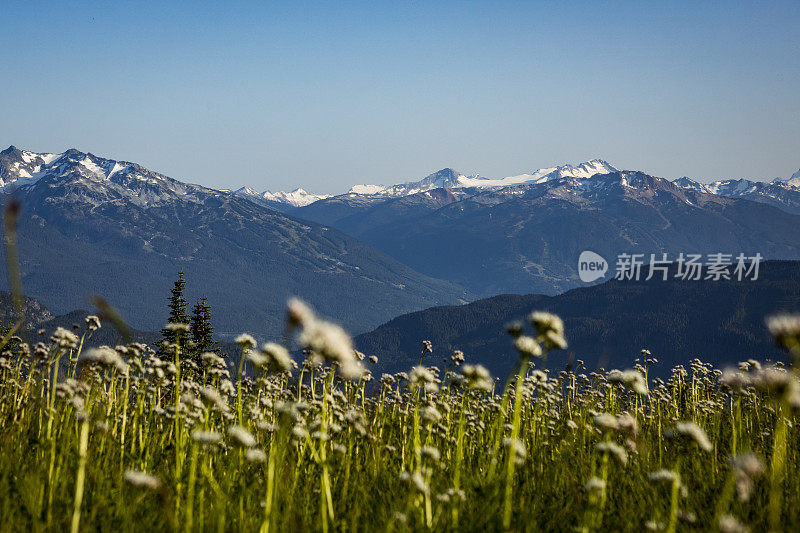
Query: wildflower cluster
(301, 437)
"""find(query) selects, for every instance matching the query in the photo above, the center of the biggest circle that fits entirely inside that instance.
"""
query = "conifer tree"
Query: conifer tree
(177, 309)
(201, 329)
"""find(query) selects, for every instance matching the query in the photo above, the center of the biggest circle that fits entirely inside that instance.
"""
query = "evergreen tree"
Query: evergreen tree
(177, 309)
(201, 329)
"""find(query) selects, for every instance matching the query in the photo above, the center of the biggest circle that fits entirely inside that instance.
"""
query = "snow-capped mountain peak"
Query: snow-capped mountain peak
(86, 178)
(18, 164)
(247, 191)
(298, 197)
(688, 183)
(792, 181)
(795, 179)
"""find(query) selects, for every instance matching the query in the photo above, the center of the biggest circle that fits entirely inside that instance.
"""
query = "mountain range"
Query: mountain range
(445, 178)
(781, 192)
(90, 225)
(526, 238)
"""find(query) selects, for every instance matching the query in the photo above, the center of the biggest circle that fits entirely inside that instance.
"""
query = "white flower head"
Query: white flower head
(298, 313)
(594, 485)
(477, 377)
(107, 357)
(178, 328)
(631, 379)
(527, 346)
(142, 479)
(544, 322)
(785, 329)
(92, 322)
(206, 437)
(241, 436)
(277, 356)
(614, 450)
(65, 338)
(691, 432)
(245, 340)
(254, 455)
(330, 342)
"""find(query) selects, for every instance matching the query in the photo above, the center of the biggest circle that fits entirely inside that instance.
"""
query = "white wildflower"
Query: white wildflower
(544, 322)
(277, 356)
(206, 437)
(594, 485)
(254, 455)
(615, 450)
(333, 344)
(142, 479)
(298, 313)
(245, 340)
(65, 339)
(92, 322)
(177, 327)
(631, 379)
(107, 357)
(527, 346)
(692, 432)
(241, 436)
(729, 524)
(477, 377)
(785, 329)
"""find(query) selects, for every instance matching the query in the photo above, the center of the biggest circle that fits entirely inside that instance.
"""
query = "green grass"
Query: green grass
(431, 450)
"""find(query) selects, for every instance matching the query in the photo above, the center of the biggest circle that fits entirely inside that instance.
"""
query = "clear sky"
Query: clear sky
(325, 95)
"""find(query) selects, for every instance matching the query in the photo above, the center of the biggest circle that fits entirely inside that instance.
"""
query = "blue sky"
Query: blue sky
(325, 95)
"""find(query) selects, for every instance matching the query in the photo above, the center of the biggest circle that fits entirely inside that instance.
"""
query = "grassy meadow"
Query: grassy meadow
(130, 438)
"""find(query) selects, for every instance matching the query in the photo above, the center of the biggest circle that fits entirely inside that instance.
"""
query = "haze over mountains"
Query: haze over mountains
(91, 225)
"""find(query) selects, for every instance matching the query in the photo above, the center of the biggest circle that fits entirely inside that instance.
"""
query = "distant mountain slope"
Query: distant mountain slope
(91, 225)
(527, 238)
(720, 322)
(783, 194)
(35, 312)
(354, 214)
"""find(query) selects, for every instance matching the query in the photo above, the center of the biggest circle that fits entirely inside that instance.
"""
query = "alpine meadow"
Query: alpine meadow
(396, 267)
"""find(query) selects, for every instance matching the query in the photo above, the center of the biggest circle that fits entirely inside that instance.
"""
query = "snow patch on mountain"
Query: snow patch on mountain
(366, 189)
(298, 197)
